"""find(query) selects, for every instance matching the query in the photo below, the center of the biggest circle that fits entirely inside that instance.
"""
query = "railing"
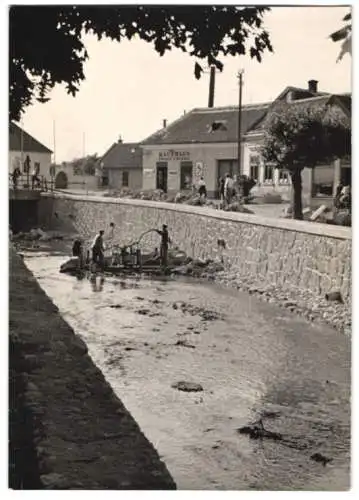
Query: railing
(29, 182)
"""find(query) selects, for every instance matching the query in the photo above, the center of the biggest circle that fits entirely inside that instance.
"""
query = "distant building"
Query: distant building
(204, 142)
(121, 166)
(21, 145)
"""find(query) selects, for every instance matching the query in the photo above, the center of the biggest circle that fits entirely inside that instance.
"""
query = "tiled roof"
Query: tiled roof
(343, 100)
(123, 155)
(29, 143)
(208, 125)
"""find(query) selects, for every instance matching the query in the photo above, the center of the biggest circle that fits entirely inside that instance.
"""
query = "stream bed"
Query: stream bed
(251, 358)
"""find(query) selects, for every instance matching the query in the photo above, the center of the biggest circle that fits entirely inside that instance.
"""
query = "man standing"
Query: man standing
(202, 190)
(164, 245)
(228, 189)
(98, 250)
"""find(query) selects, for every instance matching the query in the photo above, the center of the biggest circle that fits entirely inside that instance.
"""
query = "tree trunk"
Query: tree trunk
(297, 194)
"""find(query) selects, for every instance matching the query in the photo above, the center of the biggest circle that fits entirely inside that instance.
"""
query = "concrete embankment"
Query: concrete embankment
(68, 430)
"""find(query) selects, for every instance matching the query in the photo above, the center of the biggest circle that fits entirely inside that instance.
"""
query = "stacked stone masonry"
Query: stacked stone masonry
(281, 252)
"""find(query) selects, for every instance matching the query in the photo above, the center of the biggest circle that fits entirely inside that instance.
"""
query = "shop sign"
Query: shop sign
(148, 171)
(172, 155)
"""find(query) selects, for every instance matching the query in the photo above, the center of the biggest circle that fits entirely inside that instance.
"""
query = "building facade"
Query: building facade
(121, 167)
(201, 143)
(204, 142)
(23, 145)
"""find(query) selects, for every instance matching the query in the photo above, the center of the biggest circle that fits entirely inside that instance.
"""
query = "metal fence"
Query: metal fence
(30, 182)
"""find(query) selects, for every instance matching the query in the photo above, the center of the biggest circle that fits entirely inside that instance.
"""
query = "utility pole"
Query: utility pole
(83, 144)
(239, 138)
(54, 138)
(53, 169)
(240, 77)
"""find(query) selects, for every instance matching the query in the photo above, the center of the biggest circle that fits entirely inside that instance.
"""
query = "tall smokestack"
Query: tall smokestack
(212, 80)
(164, 123)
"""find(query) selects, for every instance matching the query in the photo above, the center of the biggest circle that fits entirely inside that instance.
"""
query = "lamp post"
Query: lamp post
(239, 153)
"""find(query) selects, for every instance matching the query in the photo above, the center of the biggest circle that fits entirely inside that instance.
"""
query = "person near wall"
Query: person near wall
(16, 174)
(221, 189)
(78, 251)
(202, 189)
(35, 176)
(97, 248)
(228, 189)
(165, 240)
(111, 233)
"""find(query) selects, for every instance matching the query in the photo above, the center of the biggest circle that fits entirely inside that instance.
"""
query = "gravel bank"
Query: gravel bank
(77, 431)
(301, 302)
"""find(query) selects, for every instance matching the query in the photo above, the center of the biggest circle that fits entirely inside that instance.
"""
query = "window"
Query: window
(218, 125)
(37, 166)
(254, 164)
(268, 174)
(186, 175)
(323, 180)
(125, 177)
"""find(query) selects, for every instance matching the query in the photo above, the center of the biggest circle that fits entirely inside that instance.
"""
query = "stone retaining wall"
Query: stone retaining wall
(68, 430)
(283, 252)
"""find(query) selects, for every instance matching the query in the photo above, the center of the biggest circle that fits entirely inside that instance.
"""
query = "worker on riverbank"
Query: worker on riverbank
(97, 248)
(77, 251)
(165, 240)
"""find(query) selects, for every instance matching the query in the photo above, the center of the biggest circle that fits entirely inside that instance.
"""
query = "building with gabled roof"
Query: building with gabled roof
(204, 142)
(23, 145)
(121, 166)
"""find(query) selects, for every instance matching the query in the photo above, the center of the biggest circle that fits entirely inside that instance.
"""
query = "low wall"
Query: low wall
(68, 430)
(288, 253)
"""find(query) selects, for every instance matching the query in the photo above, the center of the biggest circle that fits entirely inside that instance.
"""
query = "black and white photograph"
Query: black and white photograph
(178, 209)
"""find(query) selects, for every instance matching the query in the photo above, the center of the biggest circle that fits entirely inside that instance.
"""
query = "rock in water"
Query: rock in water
(70, 266)
(187, 386)
(318, 457)
(334, 297)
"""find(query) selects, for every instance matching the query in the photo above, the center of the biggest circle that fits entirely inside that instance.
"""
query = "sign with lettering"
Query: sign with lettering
(148, 171)
(172, 155)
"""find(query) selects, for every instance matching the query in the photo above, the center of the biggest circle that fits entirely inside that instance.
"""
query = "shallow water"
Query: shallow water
(250, 357)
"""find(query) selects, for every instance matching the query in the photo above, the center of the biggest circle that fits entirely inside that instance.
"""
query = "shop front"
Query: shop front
(180, 167)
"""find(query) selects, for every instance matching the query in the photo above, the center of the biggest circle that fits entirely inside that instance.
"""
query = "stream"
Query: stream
(252, 359)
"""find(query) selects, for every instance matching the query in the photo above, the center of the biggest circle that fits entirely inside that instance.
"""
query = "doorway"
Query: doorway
(161, 176)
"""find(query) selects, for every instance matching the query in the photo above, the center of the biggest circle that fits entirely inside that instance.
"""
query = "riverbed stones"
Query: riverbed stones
(186, 386)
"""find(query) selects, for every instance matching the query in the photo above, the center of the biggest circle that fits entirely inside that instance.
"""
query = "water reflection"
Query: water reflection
(97, 282)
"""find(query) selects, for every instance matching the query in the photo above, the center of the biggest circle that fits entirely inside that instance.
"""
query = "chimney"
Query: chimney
(313, 86)
(164, 123)
(212, 79)
(120, 139)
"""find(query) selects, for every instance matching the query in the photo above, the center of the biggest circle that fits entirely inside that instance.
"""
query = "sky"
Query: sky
(129, 89)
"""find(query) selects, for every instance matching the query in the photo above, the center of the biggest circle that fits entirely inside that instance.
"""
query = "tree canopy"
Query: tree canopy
(299, 135)
(344, 35)
(85, 166)
(46, 46)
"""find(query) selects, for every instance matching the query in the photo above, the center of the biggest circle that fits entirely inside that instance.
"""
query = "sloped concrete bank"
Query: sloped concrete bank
(68, 430)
